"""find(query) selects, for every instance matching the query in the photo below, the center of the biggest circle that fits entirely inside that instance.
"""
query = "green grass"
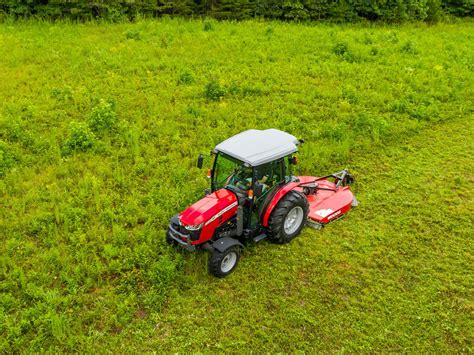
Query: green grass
(100, 127)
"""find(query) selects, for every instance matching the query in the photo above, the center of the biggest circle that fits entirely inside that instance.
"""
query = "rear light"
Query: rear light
(250, 193)
(209, 173)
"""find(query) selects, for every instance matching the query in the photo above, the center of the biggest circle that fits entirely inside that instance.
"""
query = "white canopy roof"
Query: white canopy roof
(256, 147)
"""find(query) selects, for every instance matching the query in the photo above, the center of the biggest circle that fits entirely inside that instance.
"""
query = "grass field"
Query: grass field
(100, 126)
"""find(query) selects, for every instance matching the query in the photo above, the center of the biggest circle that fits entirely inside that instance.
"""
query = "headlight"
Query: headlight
(194, 228)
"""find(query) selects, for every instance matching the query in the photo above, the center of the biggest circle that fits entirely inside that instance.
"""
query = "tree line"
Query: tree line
(289, 10)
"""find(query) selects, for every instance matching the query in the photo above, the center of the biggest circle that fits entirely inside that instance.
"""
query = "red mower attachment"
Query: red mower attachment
(255, 196)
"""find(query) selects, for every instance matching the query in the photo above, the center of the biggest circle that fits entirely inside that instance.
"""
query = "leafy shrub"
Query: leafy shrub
(80, 138)
(340, 48)
(194, 111)
(102, 117)
(409, 48)
(133, 34)
(186, 77)
(208, 26)
(234, 89)
(214, 91)
(269, 31)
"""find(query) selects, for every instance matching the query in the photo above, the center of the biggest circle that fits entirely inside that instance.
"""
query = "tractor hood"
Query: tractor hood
(209, 208)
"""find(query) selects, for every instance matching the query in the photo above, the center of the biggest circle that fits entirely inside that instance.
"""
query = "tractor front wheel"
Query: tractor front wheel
(288, 217)
(223, 263)
(170, 240)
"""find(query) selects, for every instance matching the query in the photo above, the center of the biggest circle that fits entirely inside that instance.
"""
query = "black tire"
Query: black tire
(170, 240)
(293, 200)
(348, 180)
(217, 261)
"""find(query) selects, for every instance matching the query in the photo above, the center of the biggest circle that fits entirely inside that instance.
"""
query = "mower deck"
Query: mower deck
(328, 201)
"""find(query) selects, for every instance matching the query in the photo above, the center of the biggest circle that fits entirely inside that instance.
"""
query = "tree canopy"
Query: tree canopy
(287, 10)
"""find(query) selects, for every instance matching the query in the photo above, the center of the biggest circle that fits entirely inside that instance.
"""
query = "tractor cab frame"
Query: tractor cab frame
(251, 184)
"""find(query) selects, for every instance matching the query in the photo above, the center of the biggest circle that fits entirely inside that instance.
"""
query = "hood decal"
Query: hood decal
(232, 205)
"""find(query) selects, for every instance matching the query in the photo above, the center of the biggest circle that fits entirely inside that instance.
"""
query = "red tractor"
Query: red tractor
(255, 196)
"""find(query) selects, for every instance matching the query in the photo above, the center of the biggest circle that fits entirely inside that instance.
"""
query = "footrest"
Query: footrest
(259, 237)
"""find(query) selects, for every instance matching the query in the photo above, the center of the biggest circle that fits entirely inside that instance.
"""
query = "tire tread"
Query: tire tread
(215, 259)
(275, 222)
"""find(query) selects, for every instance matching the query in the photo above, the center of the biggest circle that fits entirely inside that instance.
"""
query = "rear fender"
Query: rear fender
(275, 199)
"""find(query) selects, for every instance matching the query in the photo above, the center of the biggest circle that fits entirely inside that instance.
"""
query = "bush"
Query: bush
(102, 117)
(208, 26)
(409, 48)
(81, 138)
(133, 34)
(186, 77)
(340, 48)
(214, 91)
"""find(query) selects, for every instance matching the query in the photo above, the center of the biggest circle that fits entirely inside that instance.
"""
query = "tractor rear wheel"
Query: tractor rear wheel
(223, 263)
(288, 217)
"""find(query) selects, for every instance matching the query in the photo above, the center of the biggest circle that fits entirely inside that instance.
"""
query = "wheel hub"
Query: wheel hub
(293, 220)
(228, 262)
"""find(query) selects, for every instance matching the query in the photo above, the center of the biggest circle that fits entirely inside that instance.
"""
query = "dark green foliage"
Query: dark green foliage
(214, 91)
(103, 117)
(80, 138)
(288, 10)
(208, 26)
(133, 34)
(409, 48)
(459, 7)
(186, 77)
(340, 48)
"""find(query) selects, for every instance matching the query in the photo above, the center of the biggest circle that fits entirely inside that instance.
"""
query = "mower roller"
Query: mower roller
(255, 196)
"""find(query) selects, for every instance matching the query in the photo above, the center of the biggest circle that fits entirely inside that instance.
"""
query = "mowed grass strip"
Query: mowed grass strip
(100, 126)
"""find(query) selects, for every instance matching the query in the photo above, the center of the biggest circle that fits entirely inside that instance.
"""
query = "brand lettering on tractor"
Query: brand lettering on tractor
(232, 205)
(324, 213)
(335, 214)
